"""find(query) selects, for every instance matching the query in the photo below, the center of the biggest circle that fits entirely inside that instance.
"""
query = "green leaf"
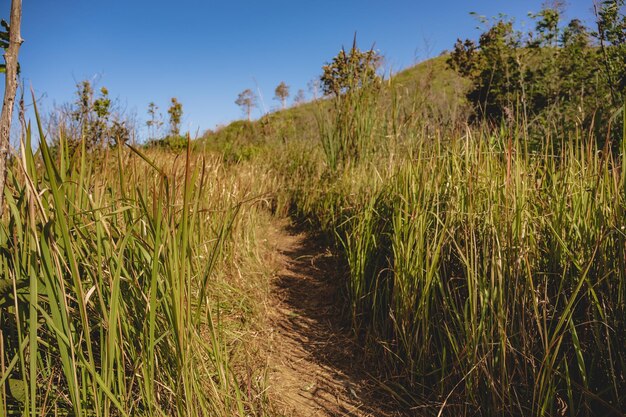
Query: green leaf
(6, 285)
(17, 388)
(4, 34)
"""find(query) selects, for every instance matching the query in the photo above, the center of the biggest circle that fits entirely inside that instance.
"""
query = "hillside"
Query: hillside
(429, 88)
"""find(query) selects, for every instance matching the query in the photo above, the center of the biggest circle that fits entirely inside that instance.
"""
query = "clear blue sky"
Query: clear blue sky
(206, 52)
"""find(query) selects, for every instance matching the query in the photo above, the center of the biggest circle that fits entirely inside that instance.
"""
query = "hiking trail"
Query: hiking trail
(316, 367)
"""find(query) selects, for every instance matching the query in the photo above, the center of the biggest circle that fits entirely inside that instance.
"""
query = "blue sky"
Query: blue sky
(206, 52)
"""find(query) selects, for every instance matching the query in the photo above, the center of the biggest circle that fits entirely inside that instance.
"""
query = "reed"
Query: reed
(489, 275)
(109, 296)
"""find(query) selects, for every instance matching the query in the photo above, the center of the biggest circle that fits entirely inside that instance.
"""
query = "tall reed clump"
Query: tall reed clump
(347, 122)
(491, 278)
(106, 305)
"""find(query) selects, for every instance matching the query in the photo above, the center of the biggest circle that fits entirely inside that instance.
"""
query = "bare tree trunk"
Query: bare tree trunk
(15, 40)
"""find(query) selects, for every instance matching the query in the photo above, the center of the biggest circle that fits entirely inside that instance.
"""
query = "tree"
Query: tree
(545, 46)
(578, 65)
(281, 93)
(494, 67)
(547, 26)
(90, 117)
(93, 118)
(246, 100)
(350, 70)
(176, 114)
(554, 75)
(299, 98)
(155, 122)
(84, 103)
(611, 21)
(102, 111)
(11, 41)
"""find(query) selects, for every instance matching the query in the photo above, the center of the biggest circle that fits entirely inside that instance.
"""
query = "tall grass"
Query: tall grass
(347, 122)
(107, 285)
(490, 276)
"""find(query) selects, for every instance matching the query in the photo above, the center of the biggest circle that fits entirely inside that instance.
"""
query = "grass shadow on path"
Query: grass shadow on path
(318, 367)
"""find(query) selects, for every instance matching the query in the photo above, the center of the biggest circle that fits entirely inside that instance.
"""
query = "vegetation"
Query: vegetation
(555, 74)
(176, 114)
(484, 273)
(281, 93)
(478, 201)
(109, 285)
(350, 70)
(612, 37)
(485, 260)
(247, 101)
(155, 122)
(96, 121)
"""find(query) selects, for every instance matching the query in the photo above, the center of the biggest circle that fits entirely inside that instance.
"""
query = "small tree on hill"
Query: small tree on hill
(354, 85)
(90, 117)
(176, 114)
(155, 122)
(349, 70)
(281, 93)
(93, 118)
(246, 100)
(494, 67)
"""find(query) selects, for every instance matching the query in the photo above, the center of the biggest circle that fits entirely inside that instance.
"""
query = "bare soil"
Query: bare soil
(316, 368)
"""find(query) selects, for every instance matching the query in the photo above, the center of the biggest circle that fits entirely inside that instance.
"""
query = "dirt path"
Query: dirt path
(315, 367)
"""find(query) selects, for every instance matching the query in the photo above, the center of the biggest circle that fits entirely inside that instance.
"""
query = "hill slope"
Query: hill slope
(428, 87)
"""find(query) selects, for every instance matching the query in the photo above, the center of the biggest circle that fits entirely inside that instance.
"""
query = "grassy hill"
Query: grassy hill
(428, 88)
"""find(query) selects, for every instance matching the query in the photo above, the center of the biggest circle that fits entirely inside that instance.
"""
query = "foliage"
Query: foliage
(247, 101)
(110, 299)
(579, 91)
(155, 121)
(347, 126)
(611, 20)
(176, 113)
(551, 77)
(4, 40)
(350, 70)
(494, 66)
(4, 43)
(485, 277)
(281, 93)
(96, 120)
(174, 143)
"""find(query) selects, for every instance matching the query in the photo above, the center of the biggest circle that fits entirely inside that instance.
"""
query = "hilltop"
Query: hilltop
(430, 87)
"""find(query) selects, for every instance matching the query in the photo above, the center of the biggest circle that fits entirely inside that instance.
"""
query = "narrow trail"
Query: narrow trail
(315, 366)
